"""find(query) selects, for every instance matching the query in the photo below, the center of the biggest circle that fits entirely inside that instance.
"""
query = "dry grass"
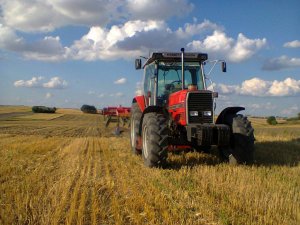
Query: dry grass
(72, 170)
(14, 109)
(38, 116)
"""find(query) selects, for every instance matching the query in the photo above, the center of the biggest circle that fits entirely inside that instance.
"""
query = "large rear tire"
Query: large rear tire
(241, 149)
(155, 140)
(136, 115)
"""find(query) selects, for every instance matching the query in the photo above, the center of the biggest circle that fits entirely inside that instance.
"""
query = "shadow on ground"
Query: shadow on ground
(281, 153)
(278, 153)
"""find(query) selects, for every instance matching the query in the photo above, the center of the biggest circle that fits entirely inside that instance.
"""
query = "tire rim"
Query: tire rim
(145, 142)
(132, 133)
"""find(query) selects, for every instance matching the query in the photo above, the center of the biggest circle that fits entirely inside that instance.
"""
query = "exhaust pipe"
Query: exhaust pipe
(182, 68)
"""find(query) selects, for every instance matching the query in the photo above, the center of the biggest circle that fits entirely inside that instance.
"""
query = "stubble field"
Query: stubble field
(67, 168)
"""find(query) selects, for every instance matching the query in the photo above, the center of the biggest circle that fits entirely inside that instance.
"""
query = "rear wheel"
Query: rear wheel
(136, 115)
(155, 140)
(241, 149)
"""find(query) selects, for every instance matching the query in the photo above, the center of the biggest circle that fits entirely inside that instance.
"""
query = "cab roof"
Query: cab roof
(176, 57)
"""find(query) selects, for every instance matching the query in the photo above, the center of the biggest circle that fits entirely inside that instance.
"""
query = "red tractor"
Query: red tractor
(177, 111)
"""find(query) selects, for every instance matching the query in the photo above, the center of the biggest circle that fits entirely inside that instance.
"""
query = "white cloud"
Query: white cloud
(227, 89)
(196, 28)
(47, 15)
(282, 62)
(220, 45)
(135, 38)
(103, 44)
(285, 88)
(47, 49)
(56, 83)
(53, 83)
(121, 81)
(34, 82)
(254, 87)
(259, 87)
(138, 37)
(292, 44)
(49, 95)
(8, 39)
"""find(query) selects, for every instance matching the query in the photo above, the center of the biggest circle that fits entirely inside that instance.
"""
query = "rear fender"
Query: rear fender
(149, 109)
(140, 100)
(227, 115)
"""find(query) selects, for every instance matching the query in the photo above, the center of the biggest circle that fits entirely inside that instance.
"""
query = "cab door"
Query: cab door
(149, 85)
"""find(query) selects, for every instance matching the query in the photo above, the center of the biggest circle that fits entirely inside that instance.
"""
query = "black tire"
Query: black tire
(155, 140)
(136, 115)
(241, 149)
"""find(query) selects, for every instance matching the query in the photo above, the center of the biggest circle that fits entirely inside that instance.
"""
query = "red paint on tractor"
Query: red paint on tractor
(141, 102)
(177, 105)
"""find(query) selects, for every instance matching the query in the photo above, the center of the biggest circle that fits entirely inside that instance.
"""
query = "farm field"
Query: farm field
(67, 168)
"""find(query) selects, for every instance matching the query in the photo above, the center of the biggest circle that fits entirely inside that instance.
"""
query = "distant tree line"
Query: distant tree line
(88, 109)
(43, 109)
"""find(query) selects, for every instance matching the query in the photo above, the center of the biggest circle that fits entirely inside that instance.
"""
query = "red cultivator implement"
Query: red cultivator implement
(118, 114)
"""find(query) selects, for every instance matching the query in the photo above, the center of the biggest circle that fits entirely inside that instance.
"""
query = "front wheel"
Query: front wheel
(155, 140)
(241, 149)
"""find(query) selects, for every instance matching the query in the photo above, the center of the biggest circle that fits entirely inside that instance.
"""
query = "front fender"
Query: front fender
(227, 115)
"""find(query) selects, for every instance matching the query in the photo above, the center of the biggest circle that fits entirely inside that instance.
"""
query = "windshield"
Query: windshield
(169, 77)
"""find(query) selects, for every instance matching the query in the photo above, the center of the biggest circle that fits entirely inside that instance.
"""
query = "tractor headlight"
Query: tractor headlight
(193, 113)
(206, 113)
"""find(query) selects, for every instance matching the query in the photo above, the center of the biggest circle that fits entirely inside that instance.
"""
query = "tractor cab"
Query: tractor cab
(167, 73)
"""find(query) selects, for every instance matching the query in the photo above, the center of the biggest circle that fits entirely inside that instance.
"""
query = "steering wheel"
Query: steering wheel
(178, 81)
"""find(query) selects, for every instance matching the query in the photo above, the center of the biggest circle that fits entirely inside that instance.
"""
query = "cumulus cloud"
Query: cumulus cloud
(37, 82)
(56, 83)
(34, 82)
(121, 81)
(280, 63)
(220, 45)
(47, 49)
(47, 15)
(261, 88)
(101, 43)
(138, 37)
(135, 38)
(292, 44)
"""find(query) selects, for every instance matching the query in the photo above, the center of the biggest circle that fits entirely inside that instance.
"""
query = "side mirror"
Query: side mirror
(138, 64)
(224, 69)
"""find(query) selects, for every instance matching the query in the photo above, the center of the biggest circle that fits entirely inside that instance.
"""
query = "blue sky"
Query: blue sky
(66, 53)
